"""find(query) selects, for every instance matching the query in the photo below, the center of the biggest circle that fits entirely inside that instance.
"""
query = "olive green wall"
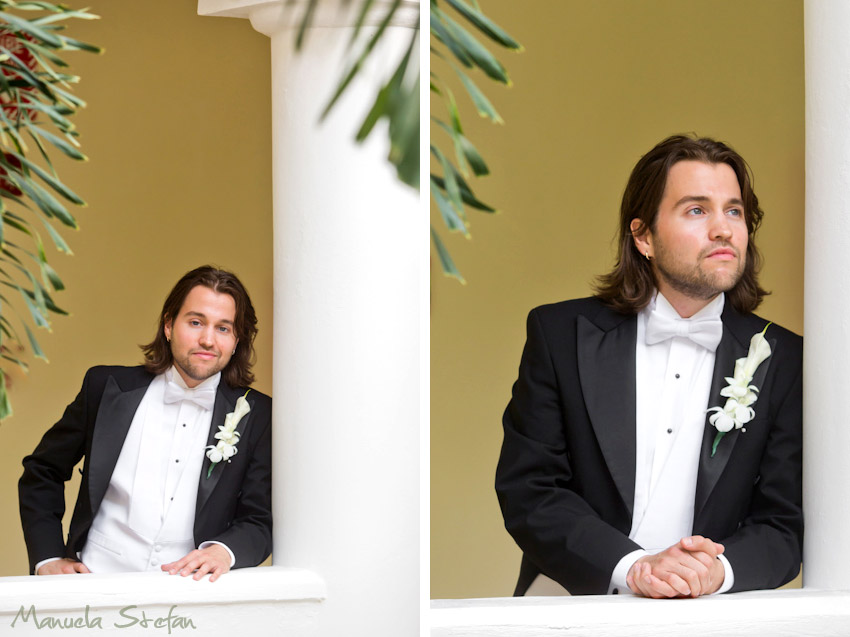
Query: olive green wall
(598, 85)
(177, 129)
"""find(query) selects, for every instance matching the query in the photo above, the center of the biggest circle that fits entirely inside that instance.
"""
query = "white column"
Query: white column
(826, 461)
(347, 242)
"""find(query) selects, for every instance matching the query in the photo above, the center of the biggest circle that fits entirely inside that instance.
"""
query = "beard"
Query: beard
(692, 280)
(197, 372)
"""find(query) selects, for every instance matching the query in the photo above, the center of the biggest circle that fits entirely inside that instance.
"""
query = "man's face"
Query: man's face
(699, 244)
(201, 335)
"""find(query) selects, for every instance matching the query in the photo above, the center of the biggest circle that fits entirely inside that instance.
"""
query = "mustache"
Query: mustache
(722, 245)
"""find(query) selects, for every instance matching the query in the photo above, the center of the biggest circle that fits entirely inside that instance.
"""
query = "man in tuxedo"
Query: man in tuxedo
(617, 474)
(177, 452)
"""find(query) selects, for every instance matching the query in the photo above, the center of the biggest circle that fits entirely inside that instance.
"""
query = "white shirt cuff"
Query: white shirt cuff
(43, 562)
(204, 545)
(618, 585)
(729, 576)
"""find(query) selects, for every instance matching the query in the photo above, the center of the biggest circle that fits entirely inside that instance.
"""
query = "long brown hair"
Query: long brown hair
(630, 285)
(157, 353)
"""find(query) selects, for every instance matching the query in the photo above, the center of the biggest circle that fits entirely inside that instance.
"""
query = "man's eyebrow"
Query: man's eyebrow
(203, 316)
(703, 199)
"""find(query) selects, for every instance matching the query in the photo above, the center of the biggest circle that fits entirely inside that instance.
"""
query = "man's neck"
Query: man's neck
(686, 306)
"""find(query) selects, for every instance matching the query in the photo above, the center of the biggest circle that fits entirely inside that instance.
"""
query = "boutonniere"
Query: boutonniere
(740, 395)
(227, 435)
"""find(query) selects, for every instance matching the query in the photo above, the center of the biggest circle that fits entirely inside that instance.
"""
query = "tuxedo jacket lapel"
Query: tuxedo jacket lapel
(734, 344)
(606, 364)
(114, 417)
(225, 402)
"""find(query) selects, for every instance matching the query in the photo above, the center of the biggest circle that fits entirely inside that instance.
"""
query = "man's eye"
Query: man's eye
(695, 211)
(194, 322)
(735, 212)
(224, 329)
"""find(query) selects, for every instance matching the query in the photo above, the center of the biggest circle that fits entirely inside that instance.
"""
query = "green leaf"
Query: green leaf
(58, 241)
(404, 138)
(466, 153)
(465, 194)
(480, 56)
(68, 97)
(36, 348)
(365, 5)
(452, 189)
(355, 68)
(378, 110)
(41, 51)
(19, 24)
(450, 217)
(64, 15)
(446, 262)
(306, 21)
(69, 43)
(51, 181)
(50, 274)
(44, 200)
(482, 104)
(60, 143)
(54, 114)
(5, 405)
(485, 24)
(439, 31)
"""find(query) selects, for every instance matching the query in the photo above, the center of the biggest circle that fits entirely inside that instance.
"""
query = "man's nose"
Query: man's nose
(720, 227)
(206, 338)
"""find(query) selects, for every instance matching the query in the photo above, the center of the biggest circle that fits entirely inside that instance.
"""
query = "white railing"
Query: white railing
(247, 601)
(783, 613)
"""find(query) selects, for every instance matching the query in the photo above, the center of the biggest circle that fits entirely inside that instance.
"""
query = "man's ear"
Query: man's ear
(167, 328)
(642, 237)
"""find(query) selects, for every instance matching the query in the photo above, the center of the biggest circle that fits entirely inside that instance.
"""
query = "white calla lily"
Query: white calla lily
(227, 435)
(740, 394)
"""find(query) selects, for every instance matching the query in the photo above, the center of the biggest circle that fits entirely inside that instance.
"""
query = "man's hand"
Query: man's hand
(63, 566)
(214, 559)
(689, 568)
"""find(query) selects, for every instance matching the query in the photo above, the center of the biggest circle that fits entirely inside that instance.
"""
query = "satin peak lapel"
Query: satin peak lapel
(114, 417)
(732, 347)
(225, 402)
(606, 365)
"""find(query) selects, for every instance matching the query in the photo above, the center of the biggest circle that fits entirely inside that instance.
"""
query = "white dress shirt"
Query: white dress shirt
(673, 381)
(147, 515)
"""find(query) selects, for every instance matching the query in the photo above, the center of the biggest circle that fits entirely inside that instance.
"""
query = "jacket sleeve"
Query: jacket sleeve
(41, 489)
(556, 528)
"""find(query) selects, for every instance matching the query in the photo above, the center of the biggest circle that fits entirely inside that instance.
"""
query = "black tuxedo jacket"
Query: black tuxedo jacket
(566, 474)
(233, 505)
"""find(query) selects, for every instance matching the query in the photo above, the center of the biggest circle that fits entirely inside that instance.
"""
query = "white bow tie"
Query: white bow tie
(201, 396)
(702, 331)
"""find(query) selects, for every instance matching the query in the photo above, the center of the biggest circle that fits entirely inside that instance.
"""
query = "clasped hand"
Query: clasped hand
(689, 568)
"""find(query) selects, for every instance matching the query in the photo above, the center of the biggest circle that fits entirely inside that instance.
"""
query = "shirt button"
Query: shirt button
(178, 460)
(157, 548)
(154, 563)
(677, 376)
(184, 424)
(669, 431)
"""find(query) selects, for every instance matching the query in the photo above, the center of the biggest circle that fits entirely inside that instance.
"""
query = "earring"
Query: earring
(234, 351)
(648, 258)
